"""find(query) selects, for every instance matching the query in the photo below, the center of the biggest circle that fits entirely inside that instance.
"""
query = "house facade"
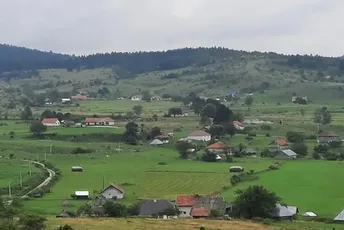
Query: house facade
(112, 191)
(199, 135)
(79, 97)
(218, 147)
(136, 98)
(286, 154)
(327, 137)
(92, 121)
(51, 122)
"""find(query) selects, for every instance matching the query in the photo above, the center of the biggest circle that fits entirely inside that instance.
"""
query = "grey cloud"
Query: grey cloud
(87, 26)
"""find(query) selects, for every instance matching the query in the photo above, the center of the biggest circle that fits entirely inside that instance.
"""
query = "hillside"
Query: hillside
(207, 71)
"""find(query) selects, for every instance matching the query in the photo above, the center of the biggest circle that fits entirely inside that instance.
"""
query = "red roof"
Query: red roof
(199, 133)
(281, 142)
(217, 145)
(237, 123)
(80, 97)
(199, 212)
(49, 120)
(164, 135)
(188, 200)
(113, 186)
(328, 134)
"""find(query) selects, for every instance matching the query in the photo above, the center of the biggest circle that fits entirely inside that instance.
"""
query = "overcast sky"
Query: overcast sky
(91, 26)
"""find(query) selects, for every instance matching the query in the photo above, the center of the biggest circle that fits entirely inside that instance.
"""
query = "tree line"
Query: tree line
(124, 64)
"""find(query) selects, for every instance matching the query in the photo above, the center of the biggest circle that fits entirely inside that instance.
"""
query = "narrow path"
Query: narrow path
(46, 181)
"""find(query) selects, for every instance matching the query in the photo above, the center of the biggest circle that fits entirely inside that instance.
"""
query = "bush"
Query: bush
(65, 227)
(178, 129)
(300, 148)
(267, 134)
(80, 150)
(316, 156)
(162, 163)
(295, 137)
(273, 167)
(266, 127)
(252, 134)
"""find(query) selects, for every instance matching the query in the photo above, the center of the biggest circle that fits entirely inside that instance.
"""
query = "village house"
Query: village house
(156, 98)
(328, 137)
(197, 206)
(286, 154)
(93, 121)
(112, 192)
(165, 138)
(286, 212)
(79, 97)
(199, 135)
(155, 208)
(51, 122)
(238, 125)
(137, 98)
(218, 147)
(278, 144)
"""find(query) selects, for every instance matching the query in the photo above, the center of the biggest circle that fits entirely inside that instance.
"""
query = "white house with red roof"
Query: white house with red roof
(218, 147)
(112, 191)
(51, 122)
(238, 125)
(199, 135)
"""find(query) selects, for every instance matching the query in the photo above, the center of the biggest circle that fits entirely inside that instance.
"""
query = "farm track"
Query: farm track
(46, 181)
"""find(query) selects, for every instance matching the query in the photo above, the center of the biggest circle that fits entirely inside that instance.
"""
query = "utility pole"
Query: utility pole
(21, 180)
(103, 182)
(30, 168)
(45, 155)
(51, 148)
(9, 189)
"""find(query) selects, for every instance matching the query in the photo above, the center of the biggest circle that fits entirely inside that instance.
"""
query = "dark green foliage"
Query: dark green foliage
(295, 137)
(36, 127)
(300, 101)
(335, 144)
(209, 110)
(26, 114)
(113, 209)
(241, 177)
(80, 150)
(65, 227)
(130, 136)
(137, 109)
(321, 148)
(223, 115)
(248, 100)
(322, 116)
(156, 131)
(217, 131)
(255, 201)
(32, 222)
(182, 147)
(300, 148)
(175, 111)
(316, 156)
(266, 127)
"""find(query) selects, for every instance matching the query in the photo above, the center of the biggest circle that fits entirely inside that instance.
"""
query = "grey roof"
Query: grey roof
(212, 203)
(154, 207)
(289, 152)
(285, 211)
(340, 216)
(156, 142)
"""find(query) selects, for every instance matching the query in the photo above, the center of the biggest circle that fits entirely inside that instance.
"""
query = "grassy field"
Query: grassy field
(10, 172)
(304, 183)
(137, 224)
(146, 180)
(153, 224)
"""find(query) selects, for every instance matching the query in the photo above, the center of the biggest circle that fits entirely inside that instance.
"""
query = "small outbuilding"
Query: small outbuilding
(236, 169)
(77, 169)
(309, 214)
(286, 154)
(155, 208)
(156, 142)
(81, 195)
(286, 212)
(340, 217)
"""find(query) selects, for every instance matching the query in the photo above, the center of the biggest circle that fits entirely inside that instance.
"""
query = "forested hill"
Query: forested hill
(18, 58)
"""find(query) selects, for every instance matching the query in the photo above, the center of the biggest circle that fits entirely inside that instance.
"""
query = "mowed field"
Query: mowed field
(311, 185)
(141, 176)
